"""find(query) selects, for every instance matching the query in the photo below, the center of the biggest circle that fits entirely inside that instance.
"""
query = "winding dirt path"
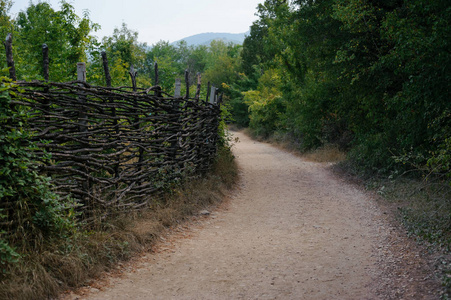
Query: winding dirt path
(291, 231)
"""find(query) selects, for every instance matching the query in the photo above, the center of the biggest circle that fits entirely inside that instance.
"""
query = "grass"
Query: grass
(422, 206)
(327, 153)
(63, 264)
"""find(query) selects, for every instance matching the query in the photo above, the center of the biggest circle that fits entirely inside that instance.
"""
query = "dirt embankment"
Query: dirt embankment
(292, 230)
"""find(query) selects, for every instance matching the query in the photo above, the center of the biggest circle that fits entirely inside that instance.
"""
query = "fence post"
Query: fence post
(199, 79)
(208, 91)
(106, 69)
(213, 95)
(113, 109)
(156, 74)
(187, 83)
(133, 76)
(46, 74)
(45, 62)
(81, 76)
(82, 117)
(157, 80)
(81, 71)
(178, 88)
(9, 56)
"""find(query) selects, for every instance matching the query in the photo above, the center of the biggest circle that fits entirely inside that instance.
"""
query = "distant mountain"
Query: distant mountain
(206, 38)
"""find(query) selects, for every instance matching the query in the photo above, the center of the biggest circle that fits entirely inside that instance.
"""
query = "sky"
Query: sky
(167, 20)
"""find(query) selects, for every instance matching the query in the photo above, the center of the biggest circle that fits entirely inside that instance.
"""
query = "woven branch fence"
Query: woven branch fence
(118, 148)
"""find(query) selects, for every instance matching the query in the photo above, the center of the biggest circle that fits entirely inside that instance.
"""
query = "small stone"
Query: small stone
(204, 212)
(72, 296)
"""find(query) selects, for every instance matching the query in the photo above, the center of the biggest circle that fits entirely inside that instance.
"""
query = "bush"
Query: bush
(30, 212)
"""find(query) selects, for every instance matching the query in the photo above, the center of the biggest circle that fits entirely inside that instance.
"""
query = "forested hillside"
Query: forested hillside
(207, 38)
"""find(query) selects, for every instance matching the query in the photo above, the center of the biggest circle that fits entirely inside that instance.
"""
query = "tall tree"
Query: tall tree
(66, 34)
(6, 25)
(124, 50)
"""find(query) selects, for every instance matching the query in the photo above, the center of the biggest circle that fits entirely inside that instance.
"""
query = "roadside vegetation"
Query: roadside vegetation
(43, 268)
(46, 247)
(363, 83)
(368, 79)
(51, 249)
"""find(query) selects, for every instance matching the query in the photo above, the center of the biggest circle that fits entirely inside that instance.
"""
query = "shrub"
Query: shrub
(30, 212)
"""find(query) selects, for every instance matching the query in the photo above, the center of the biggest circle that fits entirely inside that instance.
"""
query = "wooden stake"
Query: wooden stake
(208, 91)
(157, 80)
(187, 83)
(9, 56)
(46, 74)
(213, 95)
(133, 76)
(81, 76)
(81, 71)
(45, 62)
(106, 69)
(199, 79)
(178, 88)
(156, 74)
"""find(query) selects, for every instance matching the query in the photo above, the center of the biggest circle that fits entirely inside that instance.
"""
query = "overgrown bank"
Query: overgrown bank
(420, 204)
(49, 267)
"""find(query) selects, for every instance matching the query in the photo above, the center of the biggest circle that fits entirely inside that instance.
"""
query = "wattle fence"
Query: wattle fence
(118, 148)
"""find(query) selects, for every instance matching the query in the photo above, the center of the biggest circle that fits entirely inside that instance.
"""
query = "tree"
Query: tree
(124, 50)
(374, 73)
(169, 61)
(66, 35)
(6, 25)
(222, 63)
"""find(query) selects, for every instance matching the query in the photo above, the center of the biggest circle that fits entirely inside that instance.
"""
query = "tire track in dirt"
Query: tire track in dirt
(291, 231)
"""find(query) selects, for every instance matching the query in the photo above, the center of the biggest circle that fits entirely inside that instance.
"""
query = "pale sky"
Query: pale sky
(167, 20)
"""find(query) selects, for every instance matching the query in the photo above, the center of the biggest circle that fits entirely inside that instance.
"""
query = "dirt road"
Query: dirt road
(291, 231)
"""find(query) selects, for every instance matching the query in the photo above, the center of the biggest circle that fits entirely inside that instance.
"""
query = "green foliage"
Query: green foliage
(265, 103)
(69, 40)
(123, 51)
(39, 240)
(66, 34)
(6, 24)
(440, 161)
(370, 76)
(8, 256)
(222, 62)
(225, 138)
(32, 212)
